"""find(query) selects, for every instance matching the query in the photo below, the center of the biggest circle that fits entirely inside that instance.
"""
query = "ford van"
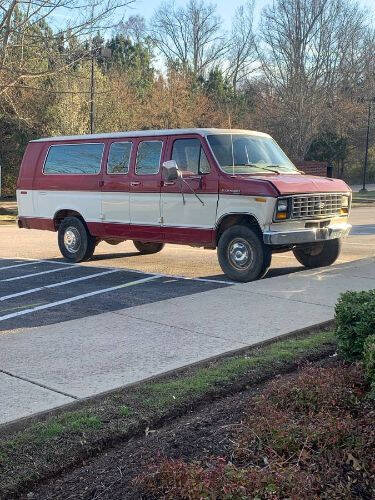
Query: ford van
(230, 190)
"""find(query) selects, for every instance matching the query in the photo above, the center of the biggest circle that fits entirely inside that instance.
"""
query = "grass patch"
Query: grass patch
(125, 411)
(363, 198)
(8, 209)
(49, 447)
(8, 218)
(368, 194)
(44, 432)
(161, 394)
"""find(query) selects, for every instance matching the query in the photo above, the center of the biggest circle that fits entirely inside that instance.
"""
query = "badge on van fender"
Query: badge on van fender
(230, 191)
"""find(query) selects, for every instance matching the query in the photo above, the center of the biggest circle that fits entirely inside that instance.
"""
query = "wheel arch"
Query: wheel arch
(61, 214)
(233, 219)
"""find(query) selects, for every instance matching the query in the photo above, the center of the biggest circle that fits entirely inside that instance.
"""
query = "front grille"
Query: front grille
(316, 205)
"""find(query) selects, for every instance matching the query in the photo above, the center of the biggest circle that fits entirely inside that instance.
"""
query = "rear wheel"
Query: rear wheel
(146, 248)
(319, 254)
(75, 242)
(242, 255)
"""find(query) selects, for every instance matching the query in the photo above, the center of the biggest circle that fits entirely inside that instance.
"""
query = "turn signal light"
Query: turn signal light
(281, 215)
(282, 206)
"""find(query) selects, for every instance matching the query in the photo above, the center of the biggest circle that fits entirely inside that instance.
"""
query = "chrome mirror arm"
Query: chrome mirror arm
(191, 189)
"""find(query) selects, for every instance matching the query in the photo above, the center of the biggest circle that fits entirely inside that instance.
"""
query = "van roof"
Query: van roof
(148, 133)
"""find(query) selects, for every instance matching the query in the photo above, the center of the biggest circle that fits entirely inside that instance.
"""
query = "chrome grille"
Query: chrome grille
(316, 206)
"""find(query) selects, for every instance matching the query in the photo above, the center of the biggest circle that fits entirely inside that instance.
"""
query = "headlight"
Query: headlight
(282, 209)
(345, 202)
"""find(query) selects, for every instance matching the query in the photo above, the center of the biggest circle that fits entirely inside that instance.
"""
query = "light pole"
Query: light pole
(365, 164)
(92, 90)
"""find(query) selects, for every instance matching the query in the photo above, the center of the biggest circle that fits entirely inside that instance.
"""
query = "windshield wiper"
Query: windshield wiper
(270, 168)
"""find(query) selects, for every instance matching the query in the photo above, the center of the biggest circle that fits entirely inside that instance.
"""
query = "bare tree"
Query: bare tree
(134, 28)
(31, 49)
(242, 54)
(191, 36)
(309, 51)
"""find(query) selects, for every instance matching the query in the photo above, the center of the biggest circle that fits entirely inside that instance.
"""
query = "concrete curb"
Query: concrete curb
(24, 422)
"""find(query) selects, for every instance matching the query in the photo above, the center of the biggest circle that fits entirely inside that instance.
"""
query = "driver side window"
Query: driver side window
(190, 156)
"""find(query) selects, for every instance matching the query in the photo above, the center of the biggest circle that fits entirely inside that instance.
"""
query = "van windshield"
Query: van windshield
(249, 154)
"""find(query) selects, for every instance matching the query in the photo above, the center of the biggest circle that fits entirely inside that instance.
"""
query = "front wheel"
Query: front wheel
(320, 254)
(242, 255)
(75, 242)
(147, 248)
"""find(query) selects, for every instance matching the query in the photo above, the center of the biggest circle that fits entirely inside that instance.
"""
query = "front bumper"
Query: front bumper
(306, 235)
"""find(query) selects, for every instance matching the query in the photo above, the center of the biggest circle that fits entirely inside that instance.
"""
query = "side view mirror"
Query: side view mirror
(171, 171)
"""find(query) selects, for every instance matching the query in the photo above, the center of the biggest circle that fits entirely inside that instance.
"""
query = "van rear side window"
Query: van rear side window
(119, 157)
(74, 159)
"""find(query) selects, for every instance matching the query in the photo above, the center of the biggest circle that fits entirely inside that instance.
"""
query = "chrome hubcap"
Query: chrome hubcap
(240, 253)
(72, 239)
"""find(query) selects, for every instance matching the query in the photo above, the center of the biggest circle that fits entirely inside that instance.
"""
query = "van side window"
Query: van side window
(119, 157)
(190, 156)
(148, 157)
(74, 159)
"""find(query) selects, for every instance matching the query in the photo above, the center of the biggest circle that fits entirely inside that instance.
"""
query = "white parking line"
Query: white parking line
(53, 285)
(37, 274)
(19, 265)
(137, 271)
(77, 297)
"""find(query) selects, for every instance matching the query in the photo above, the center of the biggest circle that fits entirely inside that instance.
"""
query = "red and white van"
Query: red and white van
(234, 190)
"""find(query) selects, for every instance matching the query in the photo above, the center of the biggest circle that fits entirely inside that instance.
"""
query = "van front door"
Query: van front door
(145, 180)
(188, 218)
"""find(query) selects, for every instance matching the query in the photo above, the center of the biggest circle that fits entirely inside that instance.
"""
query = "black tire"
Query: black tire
(242, 254)
(320, 254)
(75, 242)
(146, 248)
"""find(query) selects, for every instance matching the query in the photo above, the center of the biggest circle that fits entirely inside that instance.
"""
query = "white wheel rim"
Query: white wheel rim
(240, 254)
(72, 239)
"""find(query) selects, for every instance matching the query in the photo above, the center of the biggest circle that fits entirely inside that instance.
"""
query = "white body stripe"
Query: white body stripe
(192, 213)
(261, 210)
(116, 207)
(87, 203)
(146, 208)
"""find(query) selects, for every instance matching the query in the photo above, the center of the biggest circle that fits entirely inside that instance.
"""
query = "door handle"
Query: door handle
(169, 183)
(135, 183)
(101, 183)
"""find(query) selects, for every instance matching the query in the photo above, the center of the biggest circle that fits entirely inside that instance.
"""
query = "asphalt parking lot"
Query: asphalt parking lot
(40, 292)
(37, 287)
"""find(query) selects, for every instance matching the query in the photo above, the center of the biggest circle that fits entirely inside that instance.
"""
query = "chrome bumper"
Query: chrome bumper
(308, 235)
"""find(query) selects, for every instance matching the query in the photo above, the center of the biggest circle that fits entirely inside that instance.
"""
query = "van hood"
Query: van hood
(299, 183)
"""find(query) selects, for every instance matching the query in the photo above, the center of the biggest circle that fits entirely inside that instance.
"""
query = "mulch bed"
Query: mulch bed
(206, 432)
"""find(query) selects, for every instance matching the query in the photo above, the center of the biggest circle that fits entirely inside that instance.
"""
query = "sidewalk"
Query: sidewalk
(41, 368)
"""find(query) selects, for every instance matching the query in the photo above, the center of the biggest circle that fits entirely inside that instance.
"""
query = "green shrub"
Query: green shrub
(369, 360)
(355, 321)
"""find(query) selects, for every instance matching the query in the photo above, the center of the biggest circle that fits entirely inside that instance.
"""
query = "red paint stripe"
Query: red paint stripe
(103, 230)
(36, 223)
